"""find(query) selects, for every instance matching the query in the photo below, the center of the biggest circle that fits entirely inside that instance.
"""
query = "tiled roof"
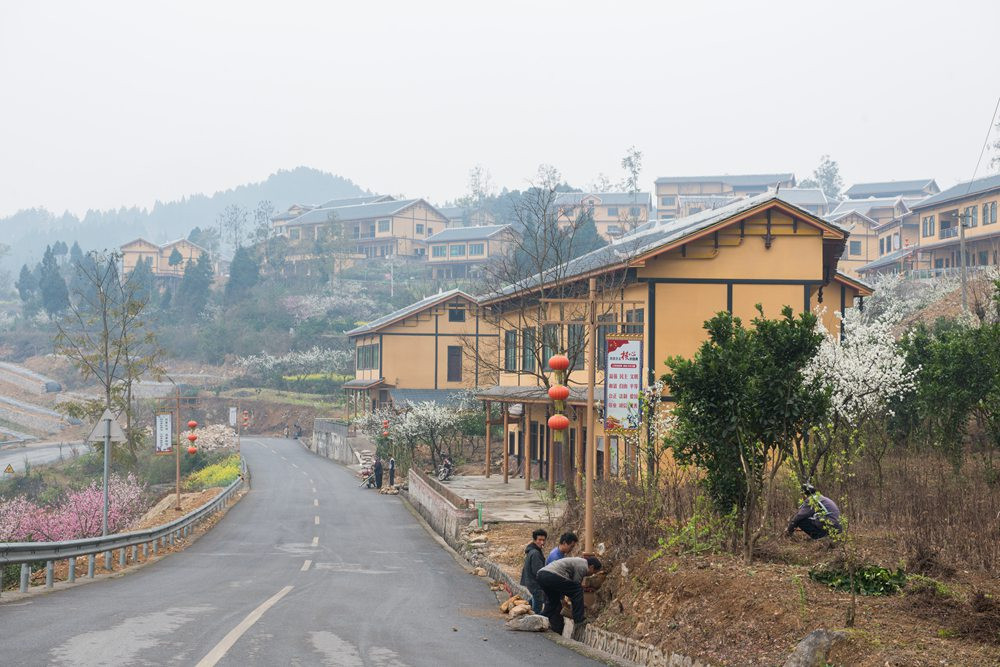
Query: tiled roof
(966, 189)
(466, 233)
(403, 397)
(606, 198)
(886, 260)
(864, 206)
(642, 242)
(406, 311)
(804, 196)
(362, 384)
(352, 201)
(889, 188)
(736, 180)
(354, 212)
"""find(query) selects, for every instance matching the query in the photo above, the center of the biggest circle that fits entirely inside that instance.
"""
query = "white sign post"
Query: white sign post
(622, 383)
(106, 430)
(164, 440)
(233, 412)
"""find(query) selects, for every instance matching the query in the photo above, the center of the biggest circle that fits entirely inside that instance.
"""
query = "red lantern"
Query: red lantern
(192, 437)
(385, 434)
(385, 423)
(192, 424)
(192, 450)
(558, 392)
(559, 362)
(558, 422)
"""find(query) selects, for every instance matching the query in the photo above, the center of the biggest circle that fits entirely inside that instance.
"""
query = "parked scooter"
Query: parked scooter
(446, 470)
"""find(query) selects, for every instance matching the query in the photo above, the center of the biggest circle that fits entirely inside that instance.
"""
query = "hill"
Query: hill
(29, 231)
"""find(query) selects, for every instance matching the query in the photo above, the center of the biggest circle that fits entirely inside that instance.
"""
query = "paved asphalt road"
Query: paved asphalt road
(36, 454)
(312, 569)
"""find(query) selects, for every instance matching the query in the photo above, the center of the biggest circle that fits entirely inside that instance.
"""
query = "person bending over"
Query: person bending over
(564, 577)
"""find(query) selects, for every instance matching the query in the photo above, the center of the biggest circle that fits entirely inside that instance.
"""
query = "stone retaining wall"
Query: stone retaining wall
(444, 516)
(330, 440)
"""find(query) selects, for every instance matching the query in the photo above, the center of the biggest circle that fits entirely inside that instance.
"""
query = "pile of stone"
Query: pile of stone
(212, 437)
(389, 491)
(518, 611)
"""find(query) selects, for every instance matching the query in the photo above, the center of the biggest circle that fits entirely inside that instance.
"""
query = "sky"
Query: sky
(108, 104)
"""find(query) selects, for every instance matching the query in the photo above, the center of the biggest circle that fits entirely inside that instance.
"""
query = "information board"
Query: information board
(164, 436)
(622, 382)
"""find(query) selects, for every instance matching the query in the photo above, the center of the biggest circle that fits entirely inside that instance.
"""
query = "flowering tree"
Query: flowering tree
(350, 300)
(314, 360)
(865, 375)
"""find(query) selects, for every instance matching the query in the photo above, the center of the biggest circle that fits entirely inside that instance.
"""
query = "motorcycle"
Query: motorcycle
(446, 470)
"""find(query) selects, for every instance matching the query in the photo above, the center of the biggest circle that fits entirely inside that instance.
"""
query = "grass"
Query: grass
(286, 397)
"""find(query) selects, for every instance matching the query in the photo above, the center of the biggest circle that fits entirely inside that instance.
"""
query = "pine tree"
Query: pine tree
(195, 287)
(585, 237)
(52, 286)
(26, 285)
(75, 254)
(175, 258)
(243, 275)
(144, 281)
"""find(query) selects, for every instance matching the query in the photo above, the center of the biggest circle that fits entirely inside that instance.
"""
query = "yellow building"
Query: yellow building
(615, 213)
(461, 252)
(159, 256)
(879, 209)
(932, 227)
(662, 282)
(429, 350)
(670, 189)
(467, 216)
(862, 247)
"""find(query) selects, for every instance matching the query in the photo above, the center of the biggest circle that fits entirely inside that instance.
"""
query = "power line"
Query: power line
(986, 143)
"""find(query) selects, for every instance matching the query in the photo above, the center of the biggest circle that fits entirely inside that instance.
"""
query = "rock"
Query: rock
(512, 601)
(813, 650)
(479, 572)
(529, 623)
(624, 571)
(519, 610)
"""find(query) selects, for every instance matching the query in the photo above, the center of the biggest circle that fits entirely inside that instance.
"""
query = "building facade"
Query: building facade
(916, 188)
(461, 252)
(160, 256)
(670, 189)
(614, 213)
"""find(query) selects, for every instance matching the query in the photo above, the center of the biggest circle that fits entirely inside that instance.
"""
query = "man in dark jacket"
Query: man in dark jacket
(378, 472)
(817, 516)
(392, 471)
(534, 560)
(564, 577)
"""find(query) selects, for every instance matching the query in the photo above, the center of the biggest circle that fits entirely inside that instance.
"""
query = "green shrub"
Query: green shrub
(868, 580)
(217, 474)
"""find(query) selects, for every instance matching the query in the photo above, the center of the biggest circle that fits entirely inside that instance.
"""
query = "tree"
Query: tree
(233, 221)
(143, 280)
(827, 178)
(743, 404)
(27, 286)
(243, 275)
(207, 238)
(175, 257)
(632, 164)
(60, 249)
(52, 286)
(585, 237)
(196, 287)
(75, 254)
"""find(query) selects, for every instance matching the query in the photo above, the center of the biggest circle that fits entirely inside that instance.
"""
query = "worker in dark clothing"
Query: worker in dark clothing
(817, 516)
(378, 472)
(534, 560)
(564, 577)
(392, 471)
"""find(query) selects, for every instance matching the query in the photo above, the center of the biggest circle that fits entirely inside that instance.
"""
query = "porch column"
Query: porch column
(579, 450)
(551, 460)
(488, 424)
(506, 443)
(526, 446)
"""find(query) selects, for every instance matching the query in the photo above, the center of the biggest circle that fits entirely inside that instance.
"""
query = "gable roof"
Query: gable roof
(804, 196)
(137, 242)
(840, 218)
(406, 311)
(179, 242)
(891, 258)
(864, 206)
(659, 238)
(863, 288)
(352, 201)
(736, 180)
(604, 198)
(916, 187)
(352, 212)
(960, 191)
(466, 233)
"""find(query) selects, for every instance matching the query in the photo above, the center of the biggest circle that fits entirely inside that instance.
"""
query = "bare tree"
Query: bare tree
(232, 224)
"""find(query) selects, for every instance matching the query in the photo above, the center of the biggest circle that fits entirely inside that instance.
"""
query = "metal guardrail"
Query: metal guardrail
(26, 553)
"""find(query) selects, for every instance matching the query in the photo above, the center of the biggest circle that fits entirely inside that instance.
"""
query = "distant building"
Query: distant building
(862, 245)
(615, 213)
(879, 209)
(919, 188)
(159, 256)
(669, 189)
(460, 251)
(467, 216)
(295, 210)
(813, 200)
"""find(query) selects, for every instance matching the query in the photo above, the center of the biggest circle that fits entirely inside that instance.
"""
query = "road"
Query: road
(36, 454)
(307, 569)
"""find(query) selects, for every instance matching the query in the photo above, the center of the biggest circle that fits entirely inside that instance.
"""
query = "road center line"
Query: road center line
(283, 458)
(315, 502)
(306, 565)
(220, 649)
(314, 489)
(316, 520)
(315, 541)
(294, 466)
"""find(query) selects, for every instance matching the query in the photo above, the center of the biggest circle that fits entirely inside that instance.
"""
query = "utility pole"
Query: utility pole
(177, 446)
(107, 470)
(962, 259)
(590, 469)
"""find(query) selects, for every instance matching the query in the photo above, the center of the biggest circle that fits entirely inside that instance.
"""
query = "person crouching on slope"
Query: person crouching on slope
(817, 517)
(564, 577)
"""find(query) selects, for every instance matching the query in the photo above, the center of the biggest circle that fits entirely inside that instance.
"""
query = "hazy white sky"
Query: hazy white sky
(105, 104)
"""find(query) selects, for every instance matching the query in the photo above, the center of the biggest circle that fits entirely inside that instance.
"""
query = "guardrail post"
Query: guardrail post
(48, 574)
(25, 573)
(1, 581)
(121, 557)
(90, 565)
(71, 572)
(135, 553)
(145, 550)
(107, 560)
(156, 546)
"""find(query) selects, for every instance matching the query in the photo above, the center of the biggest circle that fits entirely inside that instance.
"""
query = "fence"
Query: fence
(26, 553)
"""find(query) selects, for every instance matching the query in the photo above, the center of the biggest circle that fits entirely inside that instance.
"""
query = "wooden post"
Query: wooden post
(551, 460)
(489, 424)
(506, 444)
(526, 446)
(579, 450)
(177, 447)
(591, 363)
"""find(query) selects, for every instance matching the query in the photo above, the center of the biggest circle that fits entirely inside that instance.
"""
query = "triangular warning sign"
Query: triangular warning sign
(9, 469)
(97, 435)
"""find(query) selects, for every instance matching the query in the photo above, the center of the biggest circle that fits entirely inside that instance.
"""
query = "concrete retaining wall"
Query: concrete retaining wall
(446, 518)
(329, 439)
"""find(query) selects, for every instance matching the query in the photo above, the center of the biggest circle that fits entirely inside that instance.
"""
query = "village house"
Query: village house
(427, 351)
(670, 189)
(879, 209)
(614, 213)
(165, 261)
(460, 252)
(467, 216)
(862, 247)
(916, 188)
(661, 283)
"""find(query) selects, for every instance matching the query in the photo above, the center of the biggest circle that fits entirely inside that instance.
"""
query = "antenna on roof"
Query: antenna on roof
(777, 187)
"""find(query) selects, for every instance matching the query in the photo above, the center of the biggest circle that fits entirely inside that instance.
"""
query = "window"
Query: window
(455, 363)
(990, 213)
(970, 216)
(613, 211)
(637, 315)
(550, 343)
(528, 350)
(510, 350)
(881, 246)
(895, 241)
(927, 226)
(384, 225)
(293, 234)
(357, 232)
(575, 345)
(635, 211)
(456, 314)
(430, 230)
(367, 357)
(668, 200)
(439, 251)
(477, 249)
(984, 258)
(602, 339)
(855, 247)
(420, 228)
(458, 251)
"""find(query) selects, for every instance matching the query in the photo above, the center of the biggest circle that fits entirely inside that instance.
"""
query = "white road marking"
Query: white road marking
(315, 541)
(306, 565)
(315, 502)
(316, 520)
(311, 482)
(283, 458)
(314, 489)
(230, 639)
(294, 466)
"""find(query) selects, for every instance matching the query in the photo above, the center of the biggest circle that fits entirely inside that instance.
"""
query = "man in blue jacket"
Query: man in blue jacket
(567, 542)
(817, 517)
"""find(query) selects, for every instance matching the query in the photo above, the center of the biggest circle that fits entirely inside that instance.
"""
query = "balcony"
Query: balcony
(948, 232)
